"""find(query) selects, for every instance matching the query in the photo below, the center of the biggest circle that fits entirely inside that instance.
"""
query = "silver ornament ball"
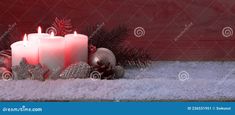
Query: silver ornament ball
(103, 55)
(119, 72)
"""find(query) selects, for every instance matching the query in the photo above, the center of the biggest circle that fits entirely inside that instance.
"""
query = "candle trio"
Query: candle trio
(53, 52)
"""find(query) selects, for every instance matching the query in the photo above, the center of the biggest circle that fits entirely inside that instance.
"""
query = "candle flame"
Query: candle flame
(25, 39)
(75, 33)
(39, 30)
(52, 34)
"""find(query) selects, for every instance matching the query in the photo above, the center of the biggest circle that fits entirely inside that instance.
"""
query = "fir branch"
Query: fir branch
(132, 57)
(104, 38)
(113, 40)
(10, 37)
(117, 36)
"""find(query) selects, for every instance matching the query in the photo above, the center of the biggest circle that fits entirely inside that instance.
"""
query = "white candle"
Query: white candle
(51, 52)
(76, 46)
(24, 49)
(37, 36)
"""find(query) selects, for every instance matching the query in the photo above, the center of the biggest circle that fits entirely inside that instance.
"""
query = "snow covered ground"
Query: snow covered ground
(163, 80)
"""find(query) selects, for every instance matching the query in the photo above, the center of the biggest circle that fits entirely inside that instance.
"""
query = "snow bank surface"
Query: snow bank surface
(161, 81)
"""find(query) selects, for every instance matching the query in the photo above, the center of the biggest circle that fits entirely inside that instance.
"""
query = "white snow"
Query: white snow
(160, 81)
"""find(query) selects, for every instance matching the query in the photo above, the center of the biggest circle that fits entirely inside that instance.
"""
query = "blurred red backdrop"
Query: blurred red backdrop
(174, 29)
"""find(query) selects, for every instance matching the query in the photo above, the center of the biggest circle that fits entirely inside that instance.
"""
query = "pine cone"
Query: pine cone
(105, 69)
(76, 70)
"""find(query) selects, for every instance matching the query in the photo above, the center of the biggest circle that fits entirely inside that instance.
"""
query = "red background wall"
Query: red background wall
(163, 21)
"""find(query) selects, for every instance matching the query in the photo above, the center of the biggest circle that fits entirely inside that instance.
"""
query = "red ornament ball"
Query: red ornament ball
(92, 49)
(5, 59)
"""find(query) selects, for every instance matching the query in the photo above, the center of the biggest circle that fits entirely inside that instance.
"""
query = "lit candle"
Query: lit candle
(51, 52)
(37, 36)
(76, 46)
(24, 49)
